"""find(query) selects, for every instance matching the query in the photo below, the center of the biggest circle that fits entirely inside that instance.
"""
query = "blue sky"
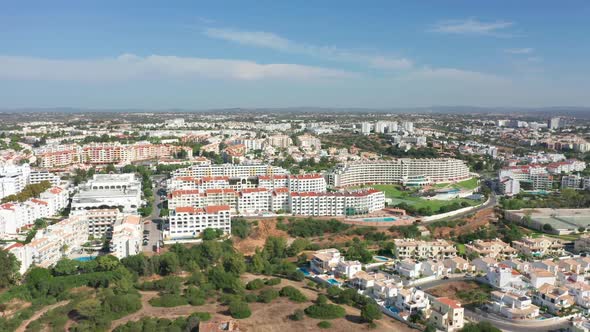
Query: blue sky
(193, 54)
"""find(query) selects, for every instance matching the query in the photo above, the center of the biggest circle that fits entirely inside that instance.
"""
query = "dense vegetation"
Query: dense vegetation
(29, 191)
(309, 227)
(567, 198)
(240, 227)
(188, 324)
(9, 272)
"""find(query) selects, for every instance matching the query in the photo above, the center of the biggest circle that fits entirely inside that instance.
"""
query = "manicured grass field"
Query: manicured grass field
(467, 184)
(396, 193)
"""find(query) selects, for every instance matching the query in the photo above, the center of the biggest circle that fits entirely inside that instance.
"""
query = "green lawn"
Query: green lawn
(467, 184)
(397, 195)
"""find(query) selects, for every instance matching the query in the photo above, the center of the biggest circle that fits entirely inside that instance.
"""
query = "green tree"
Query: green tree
(65, 267)
(9, 273)
(371, 312)
(239, 309)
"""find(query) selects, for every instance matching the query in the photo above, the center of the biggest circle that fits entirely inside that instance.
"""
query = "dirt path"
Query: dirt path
(38, 314)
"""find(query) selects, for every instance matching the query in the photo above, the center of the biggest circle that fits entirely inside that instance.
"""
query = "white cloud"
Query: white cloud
(273, 41)
(473, 26)
(129, 66)
(526, 50)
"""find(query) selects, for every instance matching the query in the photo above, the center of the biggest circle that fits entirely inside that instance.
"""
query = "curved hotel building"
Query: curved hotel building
(410, 172)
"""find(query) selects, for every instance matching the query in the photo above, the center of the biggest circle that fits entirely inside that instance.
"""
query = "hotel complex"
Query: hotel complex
(410, 172)
(62, 156)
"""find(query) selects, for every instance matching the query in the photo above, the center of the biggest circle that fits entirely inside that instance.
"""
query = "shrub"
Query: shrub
(268, 295)
(293, 294)
(324, 324)
(273, 281)
(168, 300)
(239, 310)
(251, 298)
(255, 284)
(325, 311)
(297, 315)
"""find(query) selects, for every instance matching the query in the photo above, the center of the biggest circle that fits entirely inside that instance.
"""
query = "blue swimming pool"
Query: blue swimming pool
(392, 309)
(305, 271)
(85, 258)
(333, 282)
(381, 258)
(383, 219)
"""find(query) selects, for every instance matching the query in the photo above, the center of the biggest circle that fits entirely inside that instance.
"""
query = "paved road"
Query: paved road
(152, 222)
(511, 326)
(499, 322)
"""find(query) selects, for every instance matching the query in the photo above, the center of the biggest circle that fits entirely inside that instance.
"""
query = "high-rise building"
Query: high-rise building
(554, 123)
(366, 128)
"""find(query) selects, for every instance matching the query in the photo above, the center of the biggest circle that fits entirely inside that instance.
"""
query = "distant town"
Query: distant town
(292, 220)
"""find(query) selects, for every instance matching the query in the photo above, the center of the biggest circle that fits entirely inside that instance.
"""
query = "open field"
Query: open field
(466, 292)
(266, 317)
(398, 196)
(469, 184)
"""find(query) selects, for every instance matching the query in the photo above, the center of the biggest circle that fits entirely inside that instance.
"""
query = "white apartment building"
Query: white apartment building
(44, 175)
(13, 179)
(105, 153)
(126, 237)
(366, 128)
(101, 221)
(23, 253)
(309, 142)
(307, 183)
(418, 249)
(280, 141)
(189, 222)
(408, 126)
(567, 166)
(575, 181)
(272, 182)
(15, 217)
(509, 186)
(229, 170)
(535, 176)
(446, 314)
(59, 240)
(439, 170)
(106, 191)
(254, 200)
(336, 204)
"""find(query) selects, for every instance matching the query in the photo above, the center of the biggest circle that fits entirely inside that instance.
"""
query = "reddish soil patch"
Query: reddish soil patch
(479, 219)
(265, 228)
(451, 289)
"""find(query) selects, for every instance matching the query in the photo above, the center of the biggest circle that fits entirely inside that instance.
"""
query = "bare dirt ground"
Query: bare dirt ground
(266, 317)
(265, 228)
(38, 314)
(13, 306)
(451, 289)
(481, 218)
